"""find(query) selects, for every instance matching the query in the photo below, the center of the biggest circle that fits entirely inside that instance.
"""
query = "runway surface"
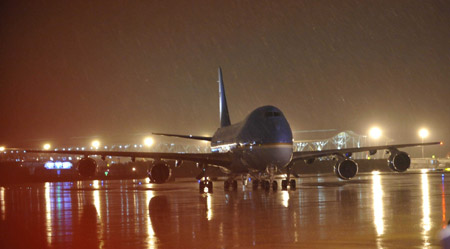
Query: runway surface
(371, 211)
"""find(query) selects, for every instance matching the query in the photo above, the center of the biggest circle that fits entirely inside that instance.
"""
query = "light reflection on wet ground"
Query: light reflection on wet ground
(372, 211)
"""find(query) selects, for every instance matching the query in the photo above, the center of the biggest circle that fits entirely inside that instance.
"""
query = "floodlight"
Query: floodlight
(375, 132)
(148, 141)
(96, 144)
(423, 133)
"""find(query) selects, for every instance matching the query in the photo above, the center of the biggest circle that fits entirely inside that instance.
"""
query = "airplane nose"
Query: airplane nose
(281, 155)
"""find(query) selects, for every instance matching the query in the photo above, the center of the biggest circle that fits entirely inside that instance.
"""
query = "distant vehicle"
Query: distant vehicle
(258, 146)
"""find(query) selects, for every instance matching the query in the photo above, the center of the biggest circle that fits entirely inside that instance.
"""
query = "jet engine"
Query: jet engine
(160, 172)
(346, 169)
(399, 161)
(87, 167)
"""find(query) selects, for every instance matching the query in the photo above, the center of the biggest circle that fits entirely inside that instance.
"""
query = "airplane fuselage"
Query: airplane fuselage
(262, 140)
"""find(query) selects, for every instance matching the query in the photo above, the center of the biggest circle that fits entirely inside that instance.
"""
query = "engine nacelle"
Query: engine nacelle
(160, 172)
(87, 167)
(346, 169)
(399, 161)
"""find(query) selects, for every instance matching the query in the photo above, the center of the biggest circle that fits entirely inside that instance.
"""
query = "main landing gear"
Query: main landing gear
(265, 185)
(291, 182)
(230, 184)
(205, 185)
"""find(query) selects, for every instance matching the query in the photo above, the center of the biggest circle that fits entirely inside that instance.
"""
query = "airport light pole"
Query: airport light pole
(423, 133)
(148, 141)
(96, 144)
(375, 133)
(47, 146)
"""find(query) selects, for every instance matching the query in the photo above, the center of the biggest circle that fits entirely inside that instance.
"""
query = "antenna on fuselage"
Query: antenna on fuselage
(224, 116)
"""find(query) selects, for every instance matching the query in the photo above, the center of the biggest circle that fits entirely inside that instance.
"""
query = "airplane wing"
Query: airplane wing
(303, 155)
(222, 159)
(185, 136)
(219, 159)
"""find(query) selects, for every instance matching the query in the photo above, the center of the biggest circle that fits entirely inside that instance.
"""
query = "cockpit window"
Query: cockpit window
(272, 114)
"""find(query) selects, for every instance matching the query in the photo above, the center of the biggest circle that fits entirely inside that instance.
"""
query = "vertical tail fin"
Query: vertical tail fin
(224, 116)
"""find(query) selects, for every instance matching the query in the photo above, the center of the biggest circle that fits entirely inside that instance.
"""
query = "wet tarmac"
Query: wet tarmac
(371, 211)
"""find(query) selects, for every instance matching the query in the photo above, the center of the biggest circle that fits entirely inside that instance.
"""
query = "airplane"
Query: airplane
(259, 146)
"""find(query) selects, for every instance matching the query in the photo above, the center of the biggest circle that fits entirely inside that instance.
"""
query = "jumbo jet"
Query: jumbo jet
(260, 146)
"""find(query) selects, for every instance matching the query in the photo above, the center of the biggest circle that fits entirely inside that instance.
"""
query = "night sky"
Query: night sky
(117, 70)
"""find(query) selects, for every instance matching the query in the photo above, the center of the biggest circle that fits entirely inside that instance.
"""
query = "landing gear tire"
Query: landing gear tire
(201, 187)
(284, 184)
(209, 185)
(234, 185)
(226, 185)
(274, 186)
(255, 184)
(293, 184)
(265, 185)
